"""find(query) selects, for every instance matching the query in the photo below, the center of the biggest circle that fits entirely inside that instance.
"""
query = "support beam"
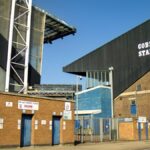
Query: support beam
(28, 47)
(111, 84)
(10, 45)
(21, 47)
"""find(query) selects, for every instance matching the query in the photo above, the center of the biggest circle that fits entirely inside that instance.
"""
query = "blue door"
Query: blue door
(146, 130)
(133, 109)
(56, 131)
(26, 130)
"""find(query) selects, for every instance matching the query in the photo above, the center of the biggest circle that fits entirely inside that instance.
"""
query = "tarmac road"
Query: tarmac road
(138, 145)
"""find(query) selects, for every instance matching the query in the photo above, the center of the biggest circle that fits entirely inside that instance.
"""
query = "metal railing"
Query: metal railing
(88, 129)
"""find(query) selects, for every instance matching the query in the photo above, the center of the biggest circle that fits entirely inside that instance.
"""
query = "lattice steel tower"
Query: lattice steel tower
(18, 46)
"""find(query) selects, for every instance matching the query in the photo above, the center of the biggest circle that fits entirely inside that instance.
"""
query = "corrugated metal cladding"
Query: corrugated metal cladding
(124, 53)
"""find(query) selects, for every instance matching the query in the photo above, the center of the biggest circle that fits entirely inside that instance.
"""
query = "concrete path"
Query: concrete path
(142, 145)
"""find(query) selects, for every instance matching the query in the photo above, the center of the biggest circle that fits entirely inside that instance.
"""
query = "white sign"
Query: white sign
(54, 113)
(9, 104)
(1, 126)
(64, 125)
(142, 119)
(36, 122)
(43, 122)
(50, 127)
(128, 119)
(36, 126)
(50, 123)
(144, 49)
(1, 120)
(27, 105)
(18, 126)
(19, 121)
(67, 106)
(1, 123)
(67, 115)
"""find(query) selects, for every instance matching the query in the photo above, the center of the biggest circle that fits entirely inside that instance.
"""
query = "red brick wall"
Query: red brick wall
(123, 101)
(129, 131)
(126, 131)
(10, 135)
(143, 81)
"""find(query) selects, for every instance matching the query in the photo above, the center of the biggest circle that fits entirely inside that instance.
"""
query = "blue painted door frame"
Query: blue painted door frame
(139, 130)
(56, 130)
(133, 109)
(146, 130)
(26, 130)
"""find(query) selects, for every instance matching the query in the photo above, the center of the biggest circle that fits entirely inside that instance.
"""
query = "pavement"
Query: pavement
(134, 145)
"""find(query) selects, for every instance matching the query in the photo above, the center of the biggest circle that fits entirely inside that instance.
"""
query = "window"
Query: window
(133, 102)
(138, 87)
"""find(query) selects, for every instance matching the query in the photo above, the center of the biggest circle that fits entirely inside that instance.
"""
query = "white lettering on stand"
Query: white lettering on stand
(144, 49)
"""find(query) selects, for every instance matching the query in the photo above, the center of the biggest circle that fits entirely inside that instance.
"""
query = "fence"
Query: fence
(88, 129)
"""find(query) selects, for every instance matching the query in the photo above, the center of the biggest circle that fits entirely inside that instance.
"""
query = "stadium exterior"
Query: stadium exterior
(30, 120)
(128, 55)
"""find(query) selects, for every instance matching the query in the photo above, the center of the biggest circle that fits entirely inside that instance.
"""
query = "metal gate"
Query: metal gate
(26, 130)
(88, 129)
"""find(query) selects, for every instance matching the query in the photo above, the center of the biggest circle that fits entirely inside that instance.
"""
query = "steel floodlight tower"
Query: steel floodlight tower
(19, 40)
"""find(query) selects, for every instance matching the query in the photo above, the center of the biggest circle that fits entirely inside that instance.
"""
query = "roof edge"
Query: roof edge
(55, 17)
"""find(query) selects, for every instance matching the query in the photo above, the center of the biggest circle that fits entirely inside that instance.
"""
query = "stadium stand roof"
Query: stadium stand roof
(55, 28)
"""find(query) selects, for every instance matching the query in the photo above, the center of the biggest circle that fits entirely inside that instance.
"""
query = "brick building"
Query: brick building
(134, 101)
(29, 120)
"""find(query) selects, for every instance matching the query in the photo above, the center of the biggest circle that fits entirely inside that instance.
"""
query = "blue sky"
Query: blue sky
(97, 22)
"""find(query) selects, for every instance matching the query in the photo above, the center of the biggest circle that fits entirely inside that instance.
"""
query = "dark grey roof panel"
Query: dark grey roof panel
(55, 28)
(123, 54)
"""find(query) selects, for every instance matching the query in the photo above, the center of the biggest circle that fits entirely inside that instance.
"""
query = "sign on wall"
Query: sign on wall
(1, 123)
(142, 119)
(9, 104)
(128, 119)
(43, 122)
(67, 106)
(144, 49)
(27, 105)
(67, 115)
